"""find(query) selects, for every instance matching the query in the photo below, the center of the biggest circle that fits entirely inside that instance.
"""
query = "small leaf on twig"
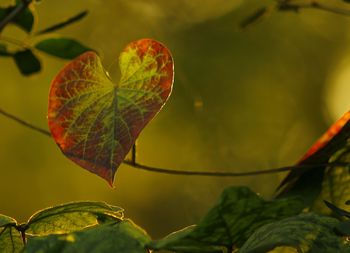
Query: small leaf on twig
(27, 62)
(62, 47)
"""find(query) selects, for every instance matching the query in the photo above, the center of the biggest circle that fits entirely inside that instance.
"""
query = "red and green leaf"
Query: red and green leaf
(333, 146)
(94, 121)
(326, 137)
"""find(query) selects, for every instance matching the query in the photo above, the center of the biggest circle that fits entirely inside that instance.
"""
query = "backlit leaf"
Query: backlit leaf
(122, 237)
(333, 146)
(94, 121)
(5, 220)
(230, 223)
(62, 47)
(308, 233)
(10, 240)
(70, 217)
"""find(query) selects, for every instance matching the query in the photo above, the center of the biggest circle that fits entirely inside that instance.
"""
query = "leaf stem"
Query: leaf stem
(133, 163)
(288, 5)
(16, 42)
(13, 14)
(25, 123)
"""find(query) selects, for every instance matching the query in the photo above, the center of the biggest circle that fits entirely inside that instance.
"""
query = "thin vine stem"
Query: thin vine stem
(12, 14)
(15, 42)
(288, 5)
(25, 123)
(133, 162)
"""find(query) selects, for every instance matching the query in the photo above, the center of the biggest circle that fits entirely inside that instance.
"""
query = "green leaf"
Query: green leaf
(122, 237)
(62, 47)
(71, 217)
(230, 223)
(24, 19)
(343, 228)
(5, 220)
(27, 62)
(64, 23)
(181, 241)
(10, 240)
(336, 183)
(94, 121)
(309, 233)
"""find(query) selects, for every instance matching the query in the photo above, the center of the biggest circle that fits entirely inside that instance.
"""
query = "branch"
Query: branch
(13, 14)
(288, 5)
(133, 163)
(229, 174)
(25, 123)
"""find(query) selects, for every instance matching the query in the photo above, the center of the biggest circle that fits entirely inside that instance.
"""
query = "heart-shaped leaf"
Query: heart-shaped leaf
(94, 121)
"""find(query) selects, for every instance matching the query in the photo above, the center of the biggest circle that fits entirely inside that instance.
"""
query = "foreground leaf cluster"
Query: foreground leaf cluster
(241, 221)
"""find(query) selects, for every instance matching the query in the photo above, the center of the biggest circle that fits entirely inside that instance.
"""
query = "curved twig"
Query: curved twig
(133, 163)
(288, 5)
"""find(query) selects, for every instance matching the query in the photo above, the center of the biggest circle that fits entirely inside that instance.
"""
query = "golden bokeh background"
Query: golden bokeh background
(243, 100)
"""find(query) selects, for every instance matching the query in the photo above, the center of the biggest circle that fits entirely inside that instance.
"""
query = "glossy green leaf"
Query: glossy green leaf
(94, 121)
(64, 23)
(71, 217)
(343, 228)
(24, 20)
(230, 223)
(122, 237)
(308, 233)
(181, 241)
(5, 220)
(27, 62)
(336, 183)
(10, 240)
(62, 47)
(319, 180)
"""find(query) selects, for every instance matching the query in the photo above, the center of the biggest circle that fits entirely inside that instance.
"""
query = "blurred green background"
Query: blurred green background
(243, 100)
